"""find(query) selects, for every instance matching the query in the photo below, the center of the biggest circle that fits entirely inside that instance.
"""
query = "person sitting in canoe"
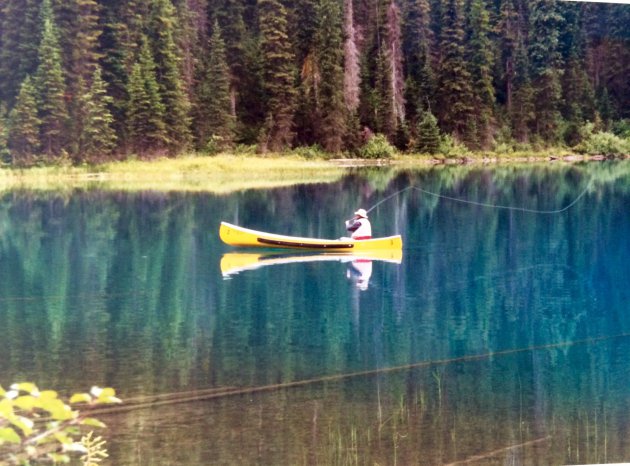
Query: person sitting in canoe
(359, 225)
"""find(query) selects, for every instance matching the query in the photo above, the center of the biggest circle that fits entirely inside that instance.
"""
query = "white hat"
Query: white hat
(361, 213)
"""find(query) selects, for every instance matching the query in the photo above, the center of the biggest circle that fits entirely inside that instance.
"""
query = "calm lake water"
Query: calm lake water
(500, 336)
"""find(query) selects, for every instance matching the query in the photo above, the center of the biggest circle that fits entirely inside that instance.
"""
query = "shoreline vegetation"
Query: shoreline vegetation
(225, 173)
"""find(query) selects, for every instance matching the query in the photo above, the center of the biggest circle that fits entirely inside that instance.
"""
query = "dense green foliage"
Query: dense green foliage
(307, 72)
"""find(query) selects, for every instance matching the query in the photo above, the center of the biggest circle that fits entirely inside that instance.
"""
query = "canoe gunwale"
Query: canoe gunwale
(235, 235)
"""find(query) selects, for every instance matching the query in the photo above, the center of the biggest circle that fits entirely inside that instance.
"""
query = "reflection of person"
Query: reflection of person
(360, 272)
(359, 225)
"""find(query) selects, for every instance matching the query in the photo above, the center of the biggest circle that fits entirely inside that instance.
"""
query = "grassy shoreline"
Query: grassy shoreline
(227, 173)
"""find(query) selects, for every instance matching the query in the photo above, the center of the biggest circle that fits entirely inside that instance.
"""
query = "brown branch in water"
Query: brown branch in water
(490, 454)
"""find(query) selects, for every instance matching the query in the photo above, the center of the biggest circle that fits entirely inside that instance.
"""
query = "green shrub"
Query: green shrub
(312, 152)
(246, 149)
(214, 145)
(428, 139)
(451, 148)
(602, 143)
(377, 147)
(622, 128)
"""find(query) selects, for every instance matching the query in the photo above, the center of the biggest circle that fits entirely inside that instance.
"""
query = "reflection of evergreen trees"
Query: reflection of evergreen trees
(125, 290)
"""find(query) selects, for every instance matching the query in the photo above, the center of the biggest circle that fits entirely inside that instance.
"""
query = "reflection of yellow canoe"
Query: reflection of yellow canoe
(235, 262)
(239, 236)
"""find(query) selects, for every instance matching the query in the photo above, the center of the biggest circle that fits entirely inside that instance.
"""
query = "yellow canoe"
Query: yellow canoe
(233, 263)
(244, 237)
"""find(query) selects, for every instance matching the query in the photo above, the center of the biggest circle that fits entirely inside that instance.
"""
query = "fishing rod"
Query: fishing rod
(484, 204)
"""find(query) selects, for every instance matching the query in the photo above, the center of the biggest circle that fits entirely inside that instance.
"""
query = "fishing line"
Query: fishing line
(484, 204)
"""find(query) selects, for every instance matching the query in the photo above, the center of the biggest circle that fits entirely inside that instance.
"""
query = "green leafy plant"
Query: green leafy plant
(38, 425)
(451, 148)
(377, 147)
(602, 143)
(312, 152)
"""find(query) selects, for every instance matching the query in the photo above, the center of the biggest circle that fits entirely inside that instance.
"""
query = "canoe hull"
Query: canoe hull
(244, 237)
(233, 263)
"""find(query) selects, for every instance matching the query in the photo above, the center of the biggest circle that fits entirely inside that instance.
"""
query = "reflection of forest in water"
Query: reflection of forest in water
(125, 290)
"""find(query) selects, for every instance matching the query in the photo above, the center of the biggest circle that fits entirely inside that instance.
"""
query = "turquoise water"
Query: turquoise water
(500, 335)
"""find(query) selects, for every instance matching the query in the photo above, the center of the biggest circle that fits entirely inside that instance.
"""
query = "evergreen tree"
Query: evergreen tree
(51, 88)
(303, 30)
(417, 42)
(214, 116)
(97, 139)
(4, 134)
(162, 26)
(428, 134)
(232, 25)
(278, 74)
(394, 54)
(454, 81)
(522, 109)
(509, 32)
(79, 32)
(123, 25)
(352, 68)
(481, 59)
(545, 66)
(330, 58)
(383, 92)
(192, 17)
(145, 111)
(577, 104)
(23, 127)
(86, 60)
(20, 34)
(618, 71)
(252, 109)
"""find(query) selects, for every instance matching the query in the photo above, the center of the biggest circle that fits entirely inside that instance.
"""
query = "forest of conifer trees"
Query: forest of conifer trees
(96, 80)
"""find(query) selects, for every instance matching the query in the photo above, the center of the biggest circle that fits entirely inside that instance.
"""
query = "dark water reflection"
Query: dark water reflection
(502, 336)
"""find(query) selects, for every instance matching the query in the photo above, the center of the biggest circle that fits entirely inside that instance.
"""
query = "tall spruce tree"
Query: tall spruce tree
(279, 76)
(162, 27)
(232, 24)
(97, 139)
(51, 88)
(191, 37)
(481, 60)
(428, 134)
(20, 35)
(330, 59)
(545, 24)
(619, 61)
(455, 95)
(4, 133)
(352, 67)
(417, 43)
(509, 32)
(578, 98)
(393, 44)
(307, 120)
(213, 113)
(23, 126)
(146, 129)
(521, 111)
(123, 25)
(79, 31)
